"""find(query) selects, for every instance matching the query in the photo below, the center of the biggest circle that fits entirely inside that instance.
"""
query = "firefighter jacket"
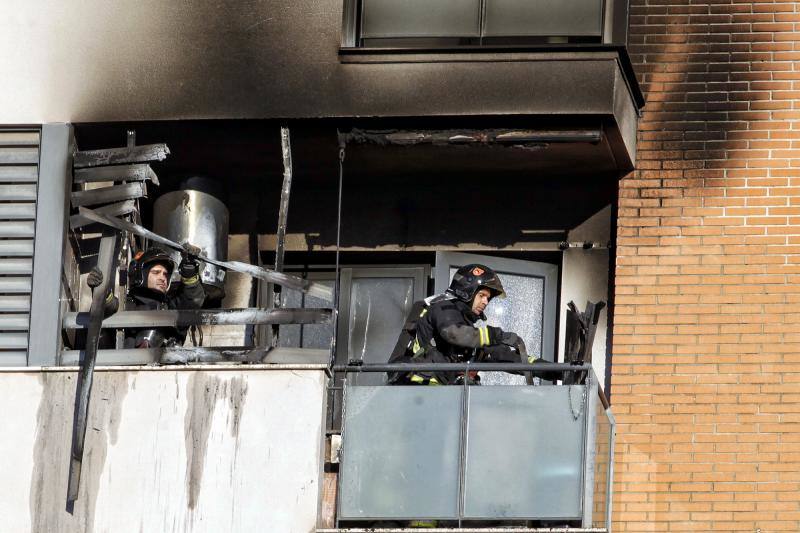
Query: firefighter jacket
(440, 329)
(188, 296)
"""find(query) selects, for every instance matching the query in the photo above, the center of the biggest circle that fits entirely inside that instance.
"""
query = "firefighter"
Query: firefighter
(441, 329)
(149, 275)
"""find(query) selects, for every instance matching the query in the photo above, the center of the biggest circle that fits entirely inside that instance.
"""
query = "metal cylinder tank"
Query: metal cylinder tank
(202, 220)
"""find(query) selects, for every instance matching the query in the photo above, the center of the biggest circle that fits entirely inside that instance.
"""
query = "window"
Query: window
(373, 305)
(422, 23)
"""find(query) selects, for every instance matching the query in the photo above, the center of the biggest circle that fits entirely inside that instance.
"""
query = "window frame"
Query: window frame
(613, 30)
(547, 271)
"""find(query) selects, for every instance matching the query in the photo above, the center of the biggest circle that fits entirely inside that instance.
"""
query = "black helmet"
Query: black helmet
(140, 265)
(469, 279)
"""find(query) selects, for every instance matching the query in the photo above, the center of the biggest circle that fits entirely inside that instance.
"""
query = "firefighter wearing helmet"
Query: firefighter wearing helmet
(441, 329)
(149, 275)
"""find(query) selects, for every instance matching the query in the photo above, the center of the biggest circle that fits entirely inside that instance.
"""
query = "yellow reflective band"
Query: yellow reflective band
(110, 296)
(425, 524)
(416, 378)
(191, 281)
(424, 311)
(484, 335)
(532, 359)
(416, 348)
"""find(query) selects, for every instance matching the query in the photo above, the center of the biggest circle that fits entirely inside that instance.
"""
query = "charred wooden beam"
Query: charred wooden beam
(107, 263)
(140, 172)
(105, 195)
(121, 156)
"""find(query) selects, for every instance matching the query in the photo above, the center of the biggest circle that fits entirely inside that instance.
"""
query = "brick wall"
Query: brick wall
(706, 370)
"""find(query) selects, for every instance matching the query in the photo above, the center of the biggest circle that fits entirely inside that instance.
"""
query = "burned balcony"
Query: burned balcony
(467, 456)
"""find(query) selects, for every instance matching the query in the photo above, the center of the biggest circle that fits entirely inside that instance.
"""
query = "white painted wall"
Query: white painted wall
(167, 450)
(585, 277)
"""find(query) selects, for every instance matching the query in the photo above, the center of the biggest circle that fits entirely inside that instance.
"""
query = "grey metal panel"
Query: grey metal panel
(15, 284)
(543, 17)
(13, 358)
(16, 248)
(55, 177)
(19, 174)
(18, 192)
(13, 341)
(14, 322)
(23, 211)
(400, 450)
(16, 229)
(16, 266)
(19, 156)
(421, 18)
(19, 138)
(14, 303)
(525, 452)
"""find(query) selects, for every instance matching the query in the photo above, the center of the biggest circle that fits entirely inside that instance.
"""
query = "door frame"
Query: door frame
(548, 272)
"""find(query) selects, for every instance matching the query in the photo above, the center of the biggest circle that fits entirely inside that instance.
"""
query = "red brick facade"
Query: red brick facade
(706, 369)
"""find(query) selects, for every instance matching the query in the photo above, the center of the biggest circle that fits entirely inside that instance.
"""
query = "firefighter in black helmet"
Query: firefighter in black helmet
(149, 275)
(442, 329)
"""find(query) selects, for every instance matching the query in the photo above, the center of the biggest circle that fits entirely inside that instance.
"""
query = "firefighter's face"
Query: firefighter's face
(158, 278)
(480, 301)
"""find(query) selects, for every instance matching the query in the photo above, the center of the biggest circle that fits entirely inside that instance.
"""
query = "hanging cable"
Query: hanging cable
(342, 145)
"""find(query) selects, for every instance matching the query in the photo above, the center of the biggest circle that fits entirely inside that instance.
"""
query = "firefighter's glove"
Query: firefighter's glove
(510, 339)
(493, 336)
(95, 278)
(189, 267)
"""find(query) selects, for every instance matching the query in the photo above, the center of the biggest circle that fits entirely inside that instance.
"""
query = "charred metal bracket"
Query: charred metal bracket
(585, 245)
(499, 137)
(201, 317)
(283, 217)
(134, 172)
(580, 331)
(121, 156)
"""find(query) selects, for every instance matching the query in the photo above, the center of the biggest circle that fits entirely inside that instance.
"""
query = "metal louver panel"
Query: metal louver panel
(15, 284)
(25, 193)
(16, 229)
(14, 303)
(16, 248)
(17, 211)
(14, 322)
(19, 173)
(14, 340)
(16, 266)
